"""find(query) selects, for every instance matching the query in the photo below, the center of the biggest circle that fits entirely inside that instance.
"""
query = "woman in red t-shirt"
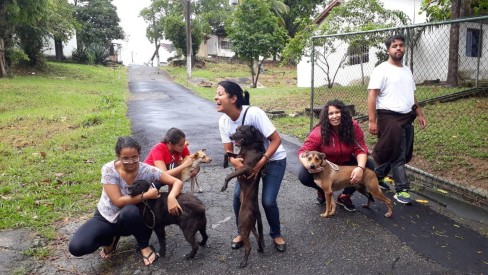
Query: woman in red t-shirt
(168, 155)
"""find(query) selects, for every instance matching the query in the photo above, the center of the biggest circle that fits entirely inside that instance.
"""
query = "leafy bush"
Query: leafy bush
(82, 56)
(99, 52)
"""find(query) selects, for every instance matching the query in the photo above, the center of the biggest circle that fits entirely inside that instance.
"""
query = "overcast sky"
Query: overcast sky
(136, 48)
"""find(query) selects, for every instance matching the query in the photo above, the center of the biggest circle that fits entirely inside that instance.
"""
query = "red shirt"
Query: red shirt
(337, 151)
(160, 151)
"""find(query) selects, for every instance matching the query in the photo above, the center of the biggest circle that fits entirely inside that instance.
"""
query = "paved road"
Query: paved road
(418, 240)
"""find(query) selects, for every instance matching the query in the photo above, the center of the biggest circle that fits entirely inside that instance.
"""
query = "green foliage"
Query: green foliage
(176, 30)
(440, 10)
(255, 32)
(98, 23)
(28, 24)
(82, 56)
(99, 52)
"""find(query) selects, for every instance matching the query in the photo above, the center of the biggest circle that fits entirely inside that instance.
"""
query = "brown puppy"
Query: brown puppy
(156, 216)
(336, 177)
(252, 149)
(198, 158)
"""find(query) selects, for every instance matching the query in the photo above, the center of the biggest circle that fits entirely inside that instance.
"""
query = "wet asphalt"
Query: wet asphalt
(419, 239)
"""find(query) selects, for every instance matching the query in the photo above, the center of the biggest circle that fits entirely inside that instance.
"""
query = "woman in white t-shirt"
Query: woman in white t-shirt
(230, 100)
(117, 214)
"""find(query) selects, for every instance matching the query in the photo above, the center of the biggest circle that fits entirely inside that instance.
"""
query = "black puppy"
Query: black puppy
(156, 216)
(252, 149)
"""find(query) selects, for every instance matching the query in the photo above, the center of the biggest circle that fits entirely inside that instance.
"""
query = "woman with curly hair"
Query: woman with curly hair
(342, 140)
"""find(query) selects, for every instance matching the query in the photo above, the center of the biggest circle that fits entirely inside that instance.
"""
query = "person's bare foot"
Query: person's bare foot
(149, 255)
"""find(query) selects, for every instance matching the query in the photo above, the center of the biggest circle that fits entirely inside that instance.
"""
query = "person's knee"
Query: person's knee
(305, 177)
(76, 248)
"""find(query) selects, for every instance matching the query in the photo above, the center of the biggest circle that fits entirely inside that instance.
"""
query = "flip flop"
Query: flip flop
(148, 257)
(104, 254)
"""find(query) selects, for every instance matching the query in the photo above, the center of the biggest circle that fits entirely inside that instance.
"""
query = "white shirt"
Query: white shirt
(396, 87)
(254, 117)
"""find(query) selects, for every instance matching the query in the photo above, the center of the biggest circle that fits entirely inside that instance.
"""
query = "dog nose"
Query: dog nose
(312, 166)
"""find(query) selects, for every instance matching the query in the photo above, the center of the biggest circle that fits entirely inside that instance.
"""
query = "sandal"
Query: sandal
(104, 254)
(148, 257)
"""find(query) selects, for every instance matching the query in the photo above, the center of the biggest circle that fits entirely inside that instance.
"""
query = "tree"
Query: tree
(25, 26)
(439, 10)
(300, 11)
(254, 33)
(99, 23)
(166, 21)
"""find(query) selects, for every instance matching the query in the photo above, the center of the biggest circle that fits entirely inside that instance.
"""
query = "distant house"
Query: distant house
(216, 45)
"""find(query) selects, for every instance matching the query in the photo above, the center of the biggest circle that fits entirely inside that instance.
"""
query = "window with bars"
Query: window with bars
(226, 45)
(357, 54)
(473, 43)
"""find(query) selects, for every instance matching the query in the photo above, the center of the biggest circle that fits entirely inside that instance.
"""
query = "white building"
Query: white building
(354, 72)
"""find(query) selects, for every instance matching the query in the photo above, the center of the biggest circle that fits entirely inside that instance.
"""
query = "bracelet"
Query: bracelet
(266, 157)
(361, 167)
(142, 196)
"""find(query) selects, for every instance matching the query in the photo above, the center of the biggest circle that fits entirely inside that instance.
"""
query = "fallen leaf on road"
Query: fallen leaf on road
(422, 201)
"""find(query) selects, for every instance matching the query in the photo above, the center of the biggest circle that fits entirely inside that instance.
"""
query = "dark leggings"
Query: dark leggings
(307, 179)
(98, 232)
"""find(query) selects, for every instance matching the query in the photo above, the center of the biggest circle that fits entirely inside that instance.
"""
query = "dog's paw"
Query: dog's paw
(388, 214)
(200, 191)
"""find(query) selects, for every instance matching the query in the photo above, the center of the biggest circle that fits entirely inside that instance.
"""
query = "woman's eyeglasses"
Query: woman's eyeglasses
(130, 160)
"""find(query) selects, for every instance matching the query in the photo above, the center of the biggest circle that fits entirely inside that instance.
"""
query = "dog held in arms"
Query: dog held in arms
(198, 158)
(156, 216)
(252, 149)
(337, 177)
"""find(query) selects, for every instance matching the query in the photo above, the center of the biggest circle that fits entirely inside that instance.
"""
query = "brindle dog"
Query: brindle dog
(156, 216)
(252, 149)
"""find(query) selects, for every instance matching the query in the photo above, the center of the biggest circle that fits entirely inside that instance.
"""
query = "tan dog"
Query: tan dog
(198, 157)
(336, 177)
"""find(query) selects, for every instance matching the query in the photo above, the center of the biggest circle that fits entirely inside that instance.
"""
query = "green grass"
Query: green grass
(57, 128)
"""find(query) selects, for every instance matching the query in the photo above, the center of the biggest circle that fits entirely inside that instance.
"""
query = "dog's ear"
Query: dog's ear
(322, 155)
(253, 129)
(305, 154)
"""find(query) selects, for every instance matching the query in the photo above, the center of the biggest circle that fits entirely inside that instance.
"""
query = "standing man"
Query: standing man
(392, 108)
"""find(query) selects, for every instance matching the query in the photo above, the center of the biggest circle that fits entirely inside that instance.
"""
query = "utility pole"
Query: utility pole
(188, 39)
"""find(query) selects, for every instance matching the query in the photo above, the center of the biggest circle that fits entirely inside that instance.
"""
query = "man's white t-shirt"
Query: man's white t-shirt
(396, 87)
(255, 117)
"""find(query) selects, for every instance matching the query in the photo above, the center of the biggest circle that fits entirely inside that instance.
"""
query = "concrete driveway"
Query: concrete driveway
(419, 239)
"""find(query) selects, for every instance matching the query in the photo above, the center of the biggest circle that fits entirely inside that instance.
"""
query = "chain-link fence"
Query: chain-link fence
(449, 61)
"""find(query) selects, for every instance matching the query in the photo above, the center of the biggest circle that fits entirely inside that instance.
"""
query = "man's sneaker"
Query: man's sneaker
(383, 182)
(403, 197)
(320, 198)
(345, 201)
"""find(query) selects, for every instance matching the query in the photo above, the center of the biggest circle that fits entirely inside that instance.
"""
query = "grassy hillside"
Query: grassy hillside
(57, 128)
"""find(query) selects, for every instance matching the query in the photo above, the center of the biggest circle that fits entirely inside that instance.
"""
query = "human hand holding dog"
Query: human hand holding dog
(356, 175)
(187, 162)
(174, 207)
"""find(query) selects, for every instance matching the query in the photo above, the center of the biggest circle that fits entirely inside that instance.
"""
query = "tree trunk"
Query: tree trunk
(58, 48)
(452, 69)
(3, 63)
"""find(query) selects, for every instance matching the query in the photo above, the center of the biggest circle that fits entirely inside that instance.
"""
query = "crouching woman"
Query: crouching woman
(117, 214)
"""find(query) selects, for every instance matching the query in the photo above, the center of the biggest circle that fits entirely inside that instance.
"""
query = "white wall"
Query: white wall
(68, 47)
